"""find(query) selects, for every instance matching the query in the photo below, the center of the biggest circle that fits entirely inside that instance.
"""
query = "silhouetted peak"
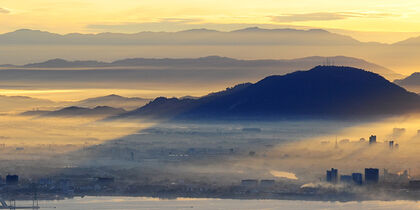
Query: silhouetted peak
(113, 96)
(159, 100)
(108, 108)
(317, 30)
(30, 32)
(73, 108)
(57, 60)
(103, 107)
(324, 72)
(412, 80)
(251, 29)
(24, 30)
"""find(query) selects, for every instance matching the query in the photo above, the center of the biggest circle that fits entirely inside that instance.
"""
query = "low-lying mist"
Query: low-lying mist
(219, 152)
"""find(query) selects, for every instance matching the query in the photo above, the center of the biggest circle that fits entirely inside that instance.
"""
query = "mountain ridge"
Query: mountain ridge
(28, 36)
(413, 79)
(75, 111)
(324, 91)
(113, 100)
(222, 62)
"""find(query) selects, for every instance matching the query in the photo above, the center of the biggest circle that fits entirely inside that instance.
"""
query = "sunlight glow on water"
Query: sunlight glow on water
(131, 203)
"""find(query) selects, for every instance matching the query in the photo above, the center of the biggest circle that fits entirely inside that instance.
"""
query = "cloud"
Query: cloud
(179, 20)
(326, 16)
(4, 11)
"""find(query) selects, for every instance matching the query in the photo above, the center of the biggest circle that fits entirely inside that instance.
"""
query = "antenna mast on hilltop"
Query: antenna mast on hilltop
(328, 62)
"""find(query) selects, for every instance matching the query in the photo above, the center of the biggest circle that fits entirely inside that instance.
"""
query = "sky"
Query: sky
(368, 20)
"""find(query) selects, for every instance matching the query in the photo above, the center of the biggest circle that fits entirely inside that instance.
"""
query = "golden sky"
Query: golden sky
(402, 18)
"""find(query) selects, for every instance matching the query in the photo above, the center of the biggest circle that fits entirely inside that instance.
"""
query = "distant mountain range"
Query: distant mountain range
(409, 42)
(74, 111)
(61, 63)
(411, 82)
(113, 101)
(252, 35)
(23, 46)
(322, 92)
(23, 103)
(209, 67)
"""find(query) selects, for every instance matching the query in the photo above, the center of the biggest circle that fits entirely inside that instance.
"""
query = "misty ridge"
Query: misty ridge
(74, 111)
(412, 82)
(95, 107)
(113, 100)
(203, 36)
(258, 43)
(212, 72)
(246, 36)
(219, 62)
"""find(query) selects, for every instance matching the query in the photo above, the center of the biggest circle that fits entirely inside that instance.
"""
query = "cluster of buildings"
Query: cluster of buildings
(392, 144)
(62, 186)
(371, 177)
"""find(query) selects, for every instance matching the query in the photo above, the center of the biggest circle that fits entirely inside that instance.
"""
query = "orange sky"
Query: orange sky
(395, 19)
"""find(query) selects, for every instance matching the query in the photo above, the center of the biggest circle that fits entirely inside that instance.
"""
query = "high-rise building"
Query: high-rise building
(332, 175)
(372, 139)
(12, 179)
(391, 144)
(371, 175)
(357, 178)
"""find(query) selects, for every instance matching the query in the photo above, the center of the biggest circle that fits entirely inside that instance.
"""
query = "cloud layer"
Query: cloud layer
(4, 11)
(325, 16)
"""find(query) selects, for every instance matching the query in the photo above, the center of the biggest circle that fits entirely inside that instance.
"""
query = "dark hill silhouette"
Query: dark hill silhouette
(322, 92)
(75, 111)
(163, 107)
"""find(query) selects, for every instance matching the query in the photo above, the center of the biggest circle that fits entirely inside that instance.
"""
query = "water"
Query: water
(131, 203)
